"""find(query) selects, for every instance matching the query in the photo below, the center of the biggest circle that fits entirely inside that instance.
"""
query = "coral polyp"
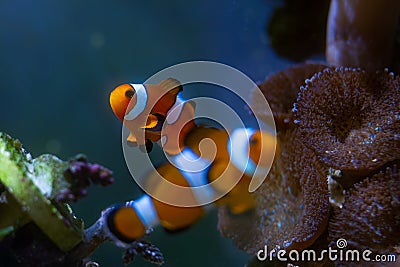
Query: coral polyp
(350, 118)
(281, 89)
(370, 217)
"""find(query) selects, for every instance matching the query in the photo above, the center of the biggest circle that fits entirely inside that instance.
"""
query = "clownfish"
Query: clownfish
(154, 112)
(130, 221)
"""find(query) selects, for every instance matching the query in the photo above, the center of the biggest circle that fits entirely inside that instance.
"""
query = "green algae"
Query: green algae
(31, 185)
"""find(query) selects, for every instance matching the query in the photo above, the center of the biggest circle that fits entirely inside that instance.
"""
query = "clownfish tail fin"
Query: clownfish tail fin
(123, 225)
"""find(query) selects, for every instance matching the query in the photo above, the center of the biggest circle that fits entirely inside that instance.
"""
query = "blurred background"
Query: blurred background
(59, 61)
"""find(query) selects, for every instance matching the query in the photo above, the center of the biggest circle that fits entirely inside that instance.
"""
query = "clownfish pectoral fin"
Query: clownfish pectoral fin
(151, 122)
(154, 123)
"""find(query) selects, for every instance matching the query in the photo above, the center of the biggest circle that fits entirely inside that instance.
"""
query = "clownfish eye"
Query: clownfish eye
(130, 93)
(253, 140)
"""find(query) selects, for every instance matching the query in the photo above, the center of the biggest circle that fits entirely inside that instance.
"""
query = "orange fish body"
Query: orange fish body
(178, 123)
(145, 109)
(245, 153)
(219, 167)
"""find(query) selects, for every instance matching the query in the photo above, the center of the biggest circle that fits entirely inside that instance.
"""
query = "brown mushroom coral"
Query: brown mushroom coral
(346, 128)
(347, 123)
(292, 204)
(351, 118)
(370, 217)
(280, 90)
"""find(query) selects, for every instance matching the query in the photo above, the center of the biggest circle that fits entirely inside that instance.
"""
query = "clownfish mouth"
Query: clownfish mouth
(154, 123)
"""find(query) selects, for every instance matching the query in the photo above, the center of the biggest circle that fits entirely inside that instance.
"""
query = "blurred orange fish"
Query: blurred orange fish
(132, 220)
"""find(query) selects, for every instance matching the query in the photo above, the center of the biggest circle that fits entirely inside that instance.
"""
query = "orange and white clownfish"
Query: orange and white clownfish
(128, 222)
(152, 112)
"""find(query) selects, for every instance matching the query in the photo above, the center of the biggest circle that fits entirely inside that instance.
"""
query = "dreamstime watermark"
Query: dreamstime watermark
(220, 112)
(339, 254)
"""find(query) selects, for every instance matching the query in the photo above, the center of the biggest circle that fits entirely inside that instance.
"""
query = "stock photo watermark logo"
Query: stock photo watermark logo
(141, 109)
(341, 254)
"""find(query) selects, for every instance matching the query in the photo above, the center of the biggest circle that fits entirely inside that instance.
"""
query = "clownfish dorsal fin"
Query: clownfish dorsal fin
(173, 86)
(192, 103)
